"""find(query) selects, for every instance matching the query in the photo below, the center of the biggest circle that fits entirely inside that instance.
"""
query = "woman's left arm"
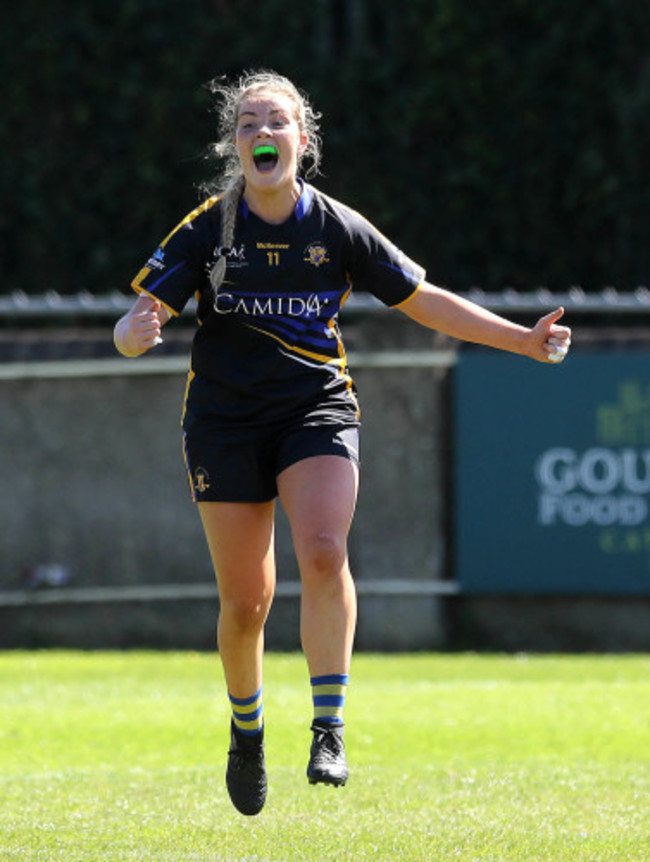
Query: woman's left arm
(446, 312)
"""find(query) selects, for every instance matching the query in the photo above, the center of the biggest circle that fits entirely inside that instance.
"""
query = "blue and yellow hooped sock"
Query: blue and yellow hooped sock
(328, 693)
(247, 713)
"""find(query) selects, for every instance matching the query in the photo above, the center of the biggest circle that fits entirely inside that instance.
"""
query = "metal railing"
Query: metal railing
(395, 587)
(51, 305)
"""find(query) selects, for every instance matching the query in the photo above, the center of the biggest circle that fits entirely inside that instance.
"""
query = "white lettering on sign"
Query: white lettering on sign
(600, 486)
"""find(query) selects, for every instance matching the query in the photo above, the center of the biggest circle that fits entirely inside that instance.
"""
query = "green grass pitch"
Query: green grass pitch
(121, 756)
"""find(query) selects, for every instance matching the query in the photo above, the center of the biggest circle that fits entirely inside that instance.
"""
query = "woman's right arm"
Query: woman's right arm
(139, 329)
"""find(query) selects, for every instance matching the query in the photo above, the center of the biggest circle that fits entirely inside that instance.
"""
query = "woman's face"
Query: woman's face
(269, 141)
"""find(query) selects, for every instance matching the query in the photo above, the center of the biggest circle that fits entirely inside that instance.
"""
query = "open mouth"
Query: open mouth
(265, 158)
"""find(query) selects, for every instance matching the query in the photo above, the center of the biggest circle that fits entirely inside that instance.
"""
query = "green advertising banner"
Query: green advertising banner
(552, 474)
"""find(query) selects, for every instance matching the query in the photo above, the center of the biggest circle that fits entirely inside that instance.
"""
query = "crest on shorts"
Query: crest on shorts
(316, 254)
(201, 480)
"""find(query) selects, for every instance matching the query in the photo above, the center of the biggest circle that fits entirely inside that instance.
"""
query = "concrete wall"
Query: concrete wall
(93, 482)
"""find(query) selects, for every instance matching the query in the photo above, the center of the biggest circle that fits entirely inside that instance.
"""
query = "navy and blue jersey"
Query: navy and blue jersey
(268, 347)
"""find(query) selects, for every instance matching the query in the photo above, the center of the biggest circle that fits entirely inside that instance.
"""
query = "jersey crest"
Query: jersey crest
(316, 254)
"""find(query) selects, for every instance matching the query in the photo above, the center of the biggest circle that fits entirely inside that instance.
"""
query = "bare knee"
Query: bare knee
(324, 556)
(244, 615)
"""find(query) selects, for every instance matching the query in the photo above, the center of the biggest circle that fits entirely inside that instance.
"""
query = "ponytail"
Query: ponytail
(229, 208)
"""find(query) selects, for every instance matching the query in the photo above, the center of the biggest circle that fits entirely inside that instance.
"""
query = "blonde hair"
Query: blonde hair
(230, 183)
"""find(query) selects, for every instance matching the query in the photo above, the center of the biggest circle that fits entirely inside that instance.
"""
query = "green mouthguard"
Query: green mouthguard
(265, 151)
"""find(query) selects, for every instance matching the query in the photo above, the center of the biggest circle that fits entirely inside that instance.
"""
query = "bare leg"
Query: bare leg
(319, 496)
(240, 538)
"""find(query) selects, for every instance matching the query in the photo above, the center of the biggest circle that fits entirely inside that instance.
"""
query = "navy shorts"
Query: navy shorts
(242, 466)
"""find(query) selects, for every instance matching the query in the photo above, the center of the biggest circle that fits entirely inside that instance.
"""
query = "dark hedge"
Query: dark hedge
(498, 144)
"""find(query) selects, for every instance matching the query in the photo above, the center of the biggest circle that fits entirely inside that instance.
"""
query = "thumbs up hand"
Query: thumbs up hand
(548, 341)
(140, 329)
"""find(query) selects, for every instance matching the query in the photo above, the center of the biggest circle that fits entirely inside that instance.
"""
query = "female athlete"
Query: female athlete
(270, 410)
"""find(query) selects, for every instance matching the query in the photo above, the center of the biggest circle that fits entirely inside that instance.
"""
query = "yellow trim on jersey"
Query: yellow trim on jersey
(204, 207)
(144, 272)
(327, 360)
(350, 383)
(142, 291)
(332, 323)
(410, 296)
(347, 293)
